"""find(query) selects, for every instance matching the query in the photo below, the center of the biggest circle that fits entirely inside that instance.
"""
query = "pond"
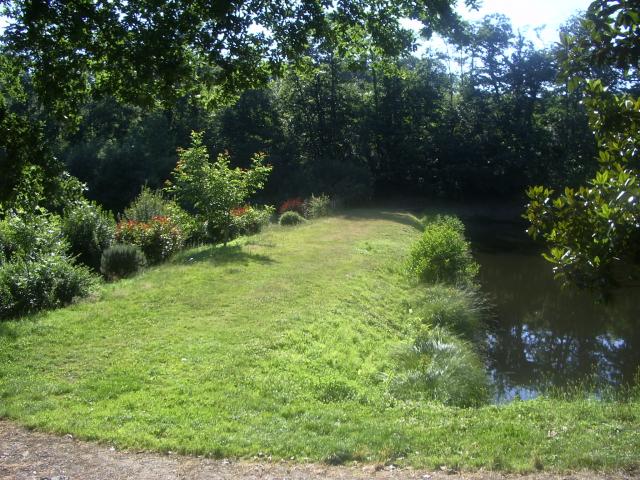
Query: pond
(539, 334)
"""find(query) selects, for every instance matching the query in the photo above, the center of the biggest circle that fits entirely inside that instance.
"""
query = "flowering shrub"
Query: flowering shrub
(240, 211)
(292, 205)
(158, 238)
(249, 220)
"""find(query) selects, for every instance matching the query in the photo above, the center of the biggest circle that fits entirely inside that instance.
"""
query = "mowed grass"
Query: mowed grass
(280, 345)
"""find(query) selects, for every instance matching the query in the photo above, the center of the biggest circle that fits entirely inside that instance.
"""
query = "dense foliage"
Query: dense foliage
(213, 190)
(158, 238)
(291, 218)
(89, 231)
(36, 272)
(442, 255)
(594, 230)
(121, 261)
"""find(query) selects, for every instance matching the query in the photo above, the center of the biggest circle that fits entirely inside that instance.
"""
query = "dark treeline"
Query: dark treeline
(486, 121)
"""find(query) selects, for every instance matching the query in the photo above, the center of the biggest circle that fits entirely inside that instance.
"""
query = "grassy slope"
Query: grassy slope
(281, 344)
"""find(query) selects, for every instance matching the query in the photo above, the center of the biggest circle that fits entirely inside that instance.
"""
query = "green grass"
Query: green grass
(281, 344)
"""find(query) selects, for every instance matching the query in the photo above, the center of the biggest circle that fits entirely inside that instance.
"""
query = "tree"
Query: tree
(214, 189)
(594, 230)
(154, 53)
(144, 51)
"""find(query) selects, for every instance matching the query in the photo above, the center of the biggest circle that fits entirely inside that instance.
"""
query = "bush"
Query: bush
(316, 207)
(51, 281)
(438, 366)
(89, 231)
(292, 205)
(121, 261)
(35, 270)
(442, 255)
(291, 218)
(150, 204)
(147, 205)
(159, 238)
(249, 220)
(30, 237)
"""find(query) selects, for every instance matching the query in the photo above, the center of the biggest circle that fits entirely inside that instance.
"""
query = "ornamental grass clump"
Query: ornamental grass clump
(122, 261)
(442, 255)
(461, 310)
(440, 367)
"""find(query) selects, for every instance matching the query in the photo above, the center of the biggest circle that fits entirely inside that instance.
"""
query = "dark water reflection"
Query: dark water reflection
(544, 336)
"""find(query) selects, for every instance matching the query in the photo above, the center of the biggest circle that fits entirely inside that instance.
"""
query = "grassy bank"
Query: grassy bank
(283, 344)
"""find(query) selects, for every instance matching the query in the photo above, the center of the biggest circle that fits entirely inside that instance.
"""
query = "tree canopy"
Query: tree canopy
(594, 230)
(146, 50)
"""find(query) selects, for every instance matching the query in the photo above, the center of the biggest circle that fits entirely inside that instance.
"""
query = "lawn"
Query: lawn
(281, 345)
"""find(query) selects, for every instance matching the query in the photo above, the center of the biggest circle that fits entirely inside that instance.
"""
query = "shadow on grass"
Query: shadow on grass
(222, 255)
(398, 217)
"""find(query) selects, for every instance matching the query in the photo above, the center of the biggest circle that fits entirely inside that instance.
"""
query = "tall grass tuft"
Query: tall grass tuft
(440, 367)
(461, 310)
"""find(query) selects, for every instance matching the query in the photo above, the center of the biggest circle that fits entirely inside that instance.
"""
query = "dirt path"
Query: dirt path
(36, 456)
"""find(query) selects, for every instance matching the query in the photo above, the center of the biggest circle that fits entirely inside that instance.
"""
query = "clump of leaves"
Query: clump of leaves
(89, 231)
(593, 231)
(315, 207)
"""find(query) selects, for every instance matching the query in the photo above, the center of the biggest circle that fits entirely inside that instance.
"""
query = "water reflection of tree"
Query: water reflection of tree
(542, 335)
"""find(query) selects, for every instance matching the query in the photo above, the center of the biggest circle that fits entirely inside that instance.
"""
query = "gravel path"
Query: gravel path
(31, 455)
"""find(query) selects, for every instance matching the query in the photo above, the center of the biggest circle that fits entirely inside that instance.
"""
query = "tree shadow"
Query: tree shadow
(404, 218)
(222, 255)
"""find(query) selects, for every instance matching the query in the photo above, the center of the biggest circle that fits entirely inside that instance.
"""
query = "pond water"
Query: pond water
(541, 335)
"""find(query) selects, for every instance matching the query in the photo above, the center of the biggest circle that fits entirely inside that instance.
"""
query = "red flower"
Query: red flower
(292, 204)
(239, 211)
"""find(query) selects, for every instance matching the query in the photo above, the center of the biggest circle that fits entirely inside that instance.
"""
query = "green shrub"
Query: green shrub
(150, 204)
(121, 261)
(315, 207)
(250, 220)
(291, 218)
(147, 205)
(49, 282)
(89, 231)
(30, 237)
(438, 366)
(35, 270)
(442, 255)
(159, 238)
